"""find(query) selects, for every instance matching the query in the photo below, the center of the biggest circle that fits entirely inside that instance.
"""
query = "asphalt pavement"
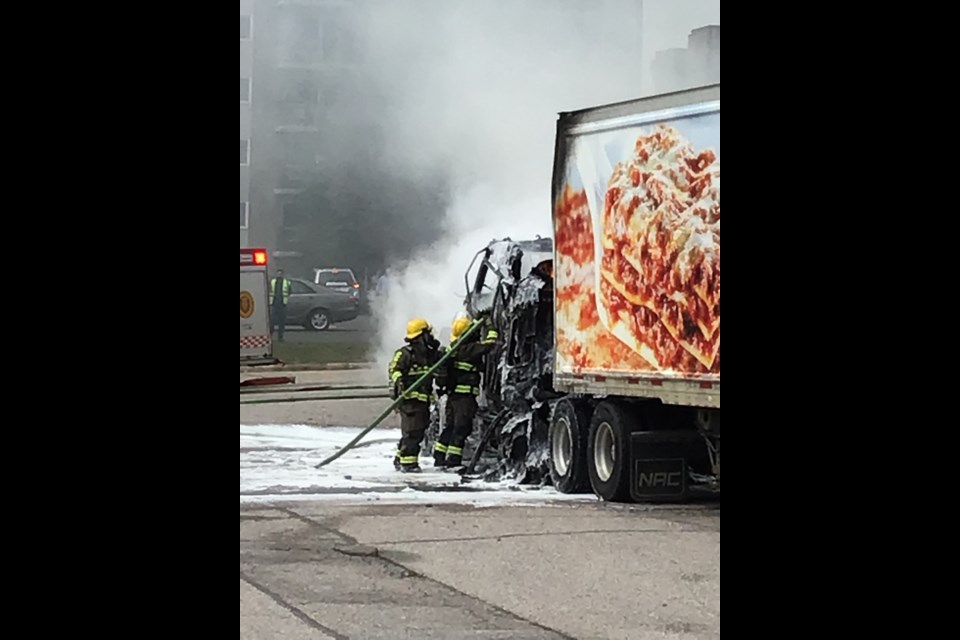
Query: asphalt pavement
(361, 329)
(582, 570)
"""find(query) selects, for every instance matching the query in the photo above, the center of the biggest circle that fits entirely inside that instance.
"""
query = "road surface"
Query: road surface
(356, 550)
(450, 571)
(360, 412)
(359, 330)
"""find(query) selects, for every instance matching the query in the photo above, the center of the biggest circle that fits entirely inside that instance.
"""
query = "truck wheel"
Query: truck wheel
(608, 452)
(318, 320)
(567, 441)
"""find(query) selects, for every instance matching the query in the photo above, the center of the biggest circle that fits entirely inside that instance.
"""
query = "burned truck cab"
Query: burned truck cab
(511, 283)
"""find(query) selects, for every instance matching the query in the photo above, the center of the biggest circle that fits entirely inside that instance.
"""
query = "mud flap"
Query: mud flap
(659, 479)
(659, 470)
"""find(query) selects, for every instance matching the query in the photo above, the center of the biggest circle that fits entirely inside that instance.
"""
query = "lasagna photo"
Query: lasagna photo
(638, 263)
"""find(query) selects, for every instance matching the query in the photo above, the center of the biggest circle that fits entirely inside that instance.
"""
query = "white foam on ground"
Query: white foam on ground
(277, 463)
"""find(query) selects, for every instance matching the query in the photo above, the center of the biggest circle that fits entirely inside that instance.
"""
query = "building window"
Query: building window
(294, 216)
(244, 215)
(244, 89)
(244, 152)
(244, 27)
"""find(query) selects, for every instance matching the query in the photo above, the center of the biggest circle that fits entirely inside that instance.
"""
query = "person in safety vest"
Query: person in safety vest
(279, 297)
(463, 387)
(408, 365)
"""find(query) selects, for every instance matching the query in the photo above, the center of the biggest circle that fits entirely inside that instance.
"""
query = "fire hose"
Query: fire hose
(311, 399)
(396, 403)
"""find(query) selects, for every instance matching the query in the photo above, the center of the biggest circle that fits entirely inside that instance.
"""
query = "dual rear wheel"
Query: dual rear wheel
(592, 450)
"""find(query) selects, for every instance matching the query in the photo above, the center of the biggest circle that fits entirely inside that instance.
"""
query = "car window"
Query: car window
(330, 279)
(299, 287)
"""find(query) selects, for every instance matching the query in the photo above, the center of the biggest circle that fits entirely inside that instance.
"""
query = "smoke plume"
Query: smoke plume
(472, 91)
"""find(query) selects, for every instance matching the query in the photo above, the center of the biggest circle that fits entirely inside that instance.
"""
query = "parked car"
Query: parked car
(341, 280)
(316, 307)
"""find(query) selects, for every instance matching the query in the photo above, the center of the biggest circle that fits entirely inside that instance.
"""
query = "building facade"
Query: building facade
(300, 82)
(696, 65)
(246, 121)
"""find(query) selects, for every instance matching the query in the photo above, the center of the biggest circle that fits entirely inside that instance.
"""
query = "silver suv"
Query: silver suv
(341, 280)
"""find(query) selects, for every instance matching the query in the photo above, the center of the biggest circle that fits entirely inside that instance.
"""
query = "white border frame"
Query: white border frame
(247, 163)
(663, 115)
(246, 215)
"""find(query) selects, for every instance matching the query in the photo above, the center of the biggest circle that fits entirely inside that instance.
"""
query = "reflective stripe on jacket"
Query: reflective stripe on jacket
(464, 371)
(407, 368)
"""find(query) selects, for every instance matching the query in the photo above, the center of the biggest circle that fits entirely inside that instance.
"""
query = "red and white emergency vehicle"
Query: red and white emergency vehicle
(256, 345)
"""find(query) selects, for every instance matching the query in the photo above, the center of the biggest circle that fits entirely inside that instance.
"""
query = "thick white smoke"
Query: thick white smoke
(432, 284)
(474, 90)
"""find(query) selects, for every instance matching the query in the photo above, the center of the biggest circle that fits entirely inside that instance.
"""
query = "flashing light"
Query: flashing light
(356, 285)
(259, 257)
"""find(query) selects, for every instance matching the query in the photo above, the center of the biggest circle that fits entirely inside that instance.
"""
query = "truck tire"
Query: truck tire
(567, 444)
(608, 452)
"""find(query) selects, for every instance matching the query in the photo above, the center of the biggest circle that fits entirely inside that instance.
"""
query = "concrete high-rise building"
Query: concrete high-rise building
(246, 123)
(301, 97)
(696, 65)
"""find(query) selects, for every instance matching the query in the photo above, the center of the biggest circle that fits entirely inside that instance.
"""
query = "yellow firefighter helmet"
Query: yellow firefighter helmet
(459, 326)
(417, 326)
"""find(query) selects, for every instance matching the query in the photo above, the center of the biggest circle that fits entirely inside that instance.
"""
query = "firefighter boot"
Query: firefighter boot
(407, 463)
(439, 455)
(454, 456)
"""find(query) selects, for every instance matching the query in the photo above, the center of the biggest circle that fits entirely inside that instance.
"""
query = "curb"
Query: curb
(328, 366)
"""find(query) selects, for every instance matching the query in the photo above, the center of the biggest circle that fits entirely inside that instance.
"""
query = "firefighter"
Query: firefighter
(409, 364)
(463, 387)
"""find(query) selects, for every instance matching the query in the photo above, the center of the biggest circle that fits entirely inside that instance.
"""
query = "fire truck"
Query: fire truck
(256, 344)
